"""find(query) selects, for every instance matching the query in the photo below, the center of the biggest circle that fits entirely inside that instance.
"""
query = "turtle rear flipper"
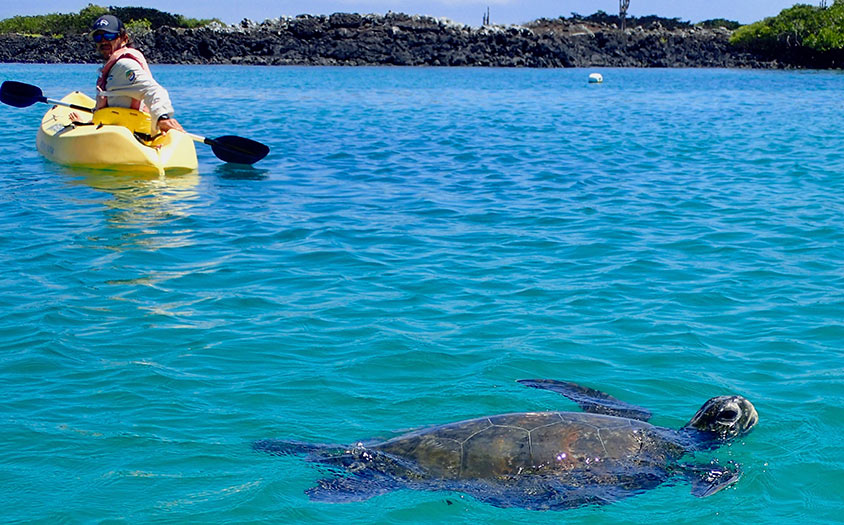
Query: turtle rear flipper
(590, 400)
(706, 480)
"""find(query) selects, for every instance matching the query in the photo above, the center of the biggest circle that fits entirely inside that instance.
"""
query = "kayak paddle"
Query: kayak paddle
(22, 95)
(228, 148)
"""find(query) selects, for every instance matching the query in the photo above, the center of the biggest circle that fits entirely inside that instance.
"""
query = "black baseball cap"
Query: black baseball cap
(107, 24)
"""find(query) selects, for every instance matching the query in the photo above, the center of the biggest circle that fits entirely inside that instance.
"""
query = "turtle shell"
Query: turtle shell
(533, 443)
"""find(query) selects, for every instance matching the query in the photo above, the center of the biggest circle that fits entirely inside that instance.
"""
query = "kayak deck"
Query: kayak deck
(112, 139)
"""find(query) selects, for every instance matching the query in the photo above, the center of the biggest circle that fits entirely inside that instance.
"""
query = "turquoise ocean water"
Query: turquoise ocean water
(418, 240)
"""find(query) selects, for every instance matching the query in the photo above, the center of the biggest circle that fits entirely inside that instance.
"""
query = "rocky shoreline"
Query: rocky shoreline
(396, 39)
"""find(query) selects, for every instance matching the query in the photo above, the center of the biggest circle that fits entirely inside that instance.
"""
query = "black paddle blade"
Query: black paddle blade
(20, 95)
(238, 150)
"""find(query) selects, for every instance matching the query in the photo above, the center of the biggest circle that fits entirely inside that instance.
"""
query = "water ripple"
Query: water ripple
(417, 240)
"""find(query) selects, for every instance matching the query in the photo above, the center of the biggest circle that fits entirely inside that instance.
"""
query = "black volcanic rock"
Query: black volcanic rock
(399, 39)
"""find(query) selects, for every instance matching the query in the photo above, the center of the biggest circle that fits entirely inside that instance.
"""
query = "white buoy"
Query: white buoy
(595, 78)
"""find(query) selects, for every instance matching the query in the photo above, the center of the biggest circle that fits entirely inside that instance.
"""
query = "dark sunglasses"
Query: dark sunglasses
(99, 37)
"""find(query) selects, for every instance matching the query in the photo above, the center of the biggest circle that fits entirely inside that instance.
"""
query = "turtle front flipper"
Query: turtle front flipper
(706, 480)
(346, 489)
(365, 473)
(589, 399)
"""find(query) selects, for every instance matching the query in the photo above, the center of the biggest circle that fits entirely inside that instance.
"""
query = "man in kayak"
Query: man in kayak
(125, 79)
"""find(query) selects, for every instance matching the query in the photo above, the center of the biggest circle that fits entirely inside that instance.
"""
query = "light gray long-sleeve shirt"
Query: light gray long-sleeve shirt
(127, 79)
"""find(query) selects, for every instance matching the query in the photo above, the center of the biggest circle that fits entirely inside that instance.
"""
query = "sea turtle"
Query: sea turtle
(537, 460)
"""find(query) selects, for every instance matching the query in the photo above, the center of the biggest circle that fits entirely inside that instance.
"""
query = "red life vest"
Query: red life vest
(117, 55)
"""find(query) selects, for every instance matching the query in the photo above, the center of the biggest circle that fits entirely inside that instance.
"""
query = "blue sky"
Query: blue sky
(463, 11)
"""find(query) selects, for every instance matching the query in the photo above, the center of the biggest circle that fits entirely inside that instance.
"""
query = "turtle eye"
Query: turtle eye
(728, 415)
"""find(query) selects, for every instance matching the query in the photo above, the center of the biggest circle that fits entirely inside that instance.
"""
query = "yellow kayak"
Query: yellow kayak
(112, 139)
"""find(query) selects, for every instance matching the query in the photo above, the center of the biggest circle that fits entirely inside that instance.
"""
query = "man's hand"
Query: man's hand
(168, 124)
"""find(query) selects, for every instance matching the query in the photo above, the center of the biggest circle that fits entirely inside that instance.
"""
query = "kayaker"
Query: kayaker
(125, 79)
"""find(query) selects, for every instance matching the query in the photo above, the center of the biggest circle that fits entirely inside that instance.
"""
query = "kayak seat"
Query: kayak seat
(136, 121)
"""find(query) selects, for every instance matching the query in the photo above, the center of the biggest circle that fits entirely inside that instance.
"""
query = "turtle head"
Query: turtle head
(725, 418)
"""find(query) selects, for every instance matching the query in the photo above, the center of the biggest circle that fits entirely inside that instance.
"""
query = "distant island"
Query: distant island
(411, 40)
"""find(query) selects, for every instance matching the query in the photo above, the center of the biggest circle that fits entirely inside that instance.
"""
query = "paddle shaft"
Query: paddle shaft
(65, 104)
(197, 138)
(200, 138)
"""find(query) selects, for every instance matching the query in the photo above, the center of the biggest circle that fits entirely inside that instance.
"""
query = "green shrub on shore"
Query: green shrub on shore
(138, 28)
(193, 23)
(53, 24)
(732, 25)
(801, 26)
(57, 24)
(158, 18)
